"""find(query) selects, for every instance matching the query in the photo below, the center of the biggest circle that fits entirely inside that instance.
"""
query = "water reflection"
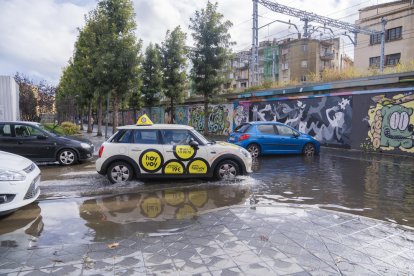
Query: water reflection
(165, 212)
(377, 186)
(19, 227)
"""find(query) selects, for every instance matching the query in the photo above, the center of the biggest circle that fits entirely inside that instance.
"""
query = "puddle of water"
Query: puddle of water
(371, 185)
(107, 218)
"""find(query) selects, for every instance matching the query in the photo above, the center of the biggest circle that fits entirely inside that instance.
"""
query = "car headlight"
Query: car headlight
(11, 176)
(85, 146)
(245, 153)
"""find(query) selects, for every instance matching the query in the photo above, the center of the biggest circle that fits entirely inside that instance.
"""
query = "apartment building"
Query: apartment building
(300, 58)
(399, 35)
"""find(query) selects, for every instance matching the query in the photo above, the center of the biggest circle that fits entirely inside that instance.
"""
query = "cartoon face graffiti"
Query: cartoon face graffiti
(396, 130)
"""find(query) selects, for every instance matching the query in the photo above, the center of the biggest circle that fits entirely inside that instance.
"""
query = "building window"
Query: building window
(243, 85)
(391, 60)
(285, 66)
(374, 61)
(394, 34)
(304, 47)
(304, 64)
(303, 78)
(375, 39)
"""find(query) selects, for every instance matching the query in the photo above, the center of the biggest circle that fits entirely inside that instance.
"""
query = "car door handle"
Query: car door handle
(136, 150)
(212, 152)
(19, 142)
(169, 151)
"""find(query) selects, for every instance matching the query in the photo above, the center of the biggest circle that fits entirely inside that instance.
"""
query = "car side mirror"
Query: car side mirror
(296, 135)
(193, 143)
(41, 137)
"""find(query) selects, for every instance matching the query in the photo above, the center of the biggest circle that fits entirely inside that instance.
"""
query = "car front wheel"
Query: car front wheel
(227, 170)
(67, 157)
(119, 172)
(309, 150)
(254, 150)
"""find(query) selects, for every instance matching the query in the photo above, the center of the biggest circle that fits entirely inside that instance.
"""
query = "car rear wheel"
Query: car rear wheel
(254, 150)
(227, 170)
(309, 150)
(119, 172)
(67, 157)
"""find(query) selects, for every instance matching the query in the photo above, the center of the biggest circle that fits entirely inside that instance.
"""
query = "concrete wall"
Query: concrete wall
(9, 99)
(371, 120)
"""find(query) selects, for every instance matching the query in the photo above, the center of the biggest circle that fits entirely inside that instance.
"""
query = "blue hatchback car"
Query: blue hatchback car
(273, 138)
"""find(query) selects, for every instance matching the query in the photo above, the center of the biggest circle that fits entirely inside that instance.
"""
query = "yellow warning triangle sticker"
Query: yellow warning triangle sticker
(144, 120)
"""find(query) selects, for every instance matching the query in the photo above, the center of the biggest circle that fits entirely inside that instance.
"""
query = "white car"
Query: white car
(19, 182)
(166, 150)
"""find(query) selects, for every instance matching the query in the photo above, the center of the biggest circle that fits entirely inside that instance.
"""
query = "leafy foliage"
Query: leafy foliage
(211, 52)
(174, 65)
(152, 75)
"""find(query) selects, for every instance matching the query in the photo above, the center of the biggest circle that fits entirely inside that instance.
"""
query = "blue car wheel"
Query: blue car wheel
(254, 150)
(309, 149)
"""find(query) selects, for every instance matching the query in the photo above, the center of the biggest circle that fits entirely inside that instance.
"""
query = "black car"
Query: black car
(33, 141)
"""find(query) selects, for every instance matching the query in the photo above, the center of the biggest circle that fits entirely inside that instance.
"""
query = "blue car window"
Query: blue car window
(285, 131)
(266, 129)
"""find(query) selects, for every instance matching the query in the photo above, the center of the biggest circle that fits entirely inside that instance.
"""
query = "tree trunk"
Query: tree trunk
(100, 107)
(90, 123)
(115, 117)
(135, 115)
(206, 114)
(172, 111)
(81, 118)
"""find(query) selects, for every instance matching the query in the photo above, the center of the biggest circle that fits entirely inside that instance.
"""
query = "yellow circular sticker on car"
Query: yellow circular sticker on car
(174, 167)
(184, 152)
(197, 166)
(151, 160)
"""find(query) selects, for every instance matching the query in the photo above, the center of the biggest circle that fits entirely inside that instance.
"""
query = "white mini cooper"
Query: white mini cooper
(167, 150)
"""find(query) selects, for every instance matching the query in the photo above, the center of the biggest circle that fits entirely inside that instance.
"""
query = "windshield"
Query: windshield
(47, 131)
(201, 137)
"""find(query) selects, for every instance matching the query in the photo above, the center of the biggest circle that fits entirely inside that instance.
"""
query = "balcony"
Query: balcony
(327, 56)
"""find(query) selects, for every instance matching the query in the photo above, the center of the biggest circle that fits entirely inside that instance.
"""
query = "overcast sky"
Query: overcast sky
(37, 36)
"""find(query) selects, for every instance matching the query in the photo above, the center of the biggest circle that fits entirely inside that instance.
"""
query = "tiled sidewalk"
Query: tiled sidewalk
(283, 240)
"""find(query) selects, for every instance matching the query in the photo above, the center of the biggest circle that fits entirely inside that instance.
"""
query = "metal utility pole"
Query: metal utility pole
(306, 17)
(254, 64)
(383, 23)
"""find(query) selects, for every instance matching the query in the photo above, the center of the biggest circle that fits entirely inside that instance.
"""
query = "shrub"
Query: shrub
(69, 128)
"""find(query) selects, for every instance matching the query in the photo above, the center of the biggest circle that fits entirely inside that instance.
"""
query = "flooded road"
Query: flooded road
(78, 205)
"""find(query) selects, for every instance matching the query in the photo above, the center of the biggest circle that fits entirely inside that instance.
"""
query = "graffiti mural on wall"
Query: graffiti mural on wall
(328, 119)
(181, 115)
(157, 115)
(391, 122)
(240, 113)
(219, 120)
(196, 117)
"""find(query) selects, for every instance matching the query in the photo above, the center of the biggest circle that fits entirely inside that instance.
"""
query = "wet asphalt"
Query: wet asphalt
(342, 212)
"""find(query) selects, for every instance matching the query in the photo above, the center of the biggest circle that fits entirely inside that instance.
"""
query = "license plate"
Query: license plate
(232, 139)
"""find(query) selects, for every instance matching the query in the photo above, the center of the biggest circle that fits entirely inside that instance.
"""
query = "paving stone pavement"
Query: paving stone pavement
(282, 240)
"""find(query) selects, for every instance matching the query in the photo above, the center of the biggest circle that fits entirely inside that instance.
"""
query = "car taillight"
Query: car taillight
(101, 151)
(244, 137)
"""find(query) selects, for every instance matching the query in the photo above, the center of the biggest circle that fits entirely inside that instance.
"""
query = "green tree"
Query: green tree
(174, 65)
(211, 53)
(121, 58)
(152, 76)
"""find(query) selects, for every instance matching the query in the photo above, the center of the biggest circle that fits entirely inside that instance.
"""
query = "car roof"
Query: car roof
(264, 123)
(19, 122)
(157, 126)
